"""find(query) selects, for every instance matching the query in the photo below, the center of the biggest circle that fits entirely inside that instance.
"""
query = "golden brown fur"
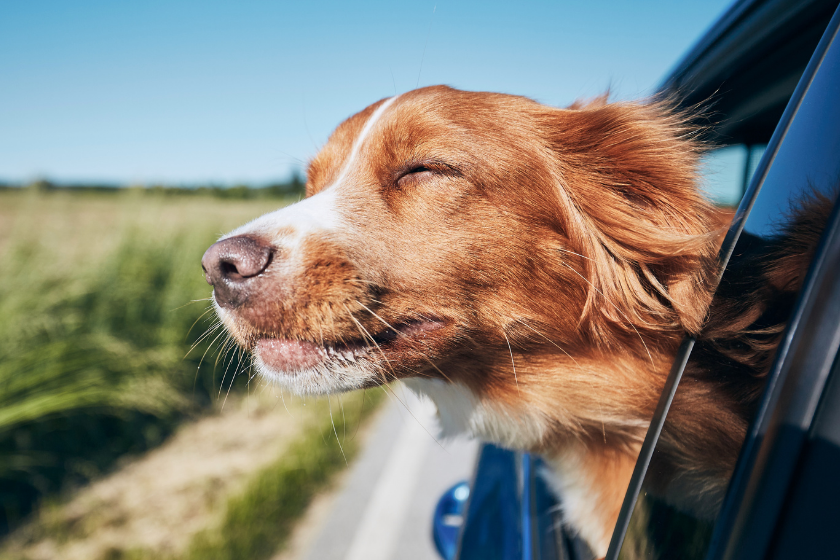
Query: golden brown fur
(546, 261)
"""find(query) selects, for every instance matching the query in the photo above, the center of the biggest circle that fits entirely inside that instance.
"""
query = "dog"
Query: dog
(531, 270)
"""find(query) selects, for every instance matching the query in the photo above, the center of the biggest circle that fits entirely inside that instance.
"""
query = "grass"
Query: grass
(207, 493)
(95, 311)
(101, 300)
(258, 521)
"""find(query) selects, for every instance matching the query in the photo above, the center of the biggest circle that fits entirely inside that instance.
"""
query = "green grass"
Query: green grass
(95, 312)
(259, 520)
(101, 299)
(252, 521)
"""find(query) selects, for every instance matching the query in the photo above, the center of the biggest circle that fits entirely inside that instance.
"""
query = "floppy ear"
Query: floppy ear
(628, 174)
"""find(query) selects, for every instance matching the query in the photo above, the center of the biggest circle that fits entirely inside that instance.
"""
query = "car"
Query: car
(771, 70)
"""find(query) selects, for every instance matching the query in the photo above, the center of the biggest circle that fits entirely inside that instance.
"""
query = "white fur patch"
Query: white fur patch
(354, 151)
(568, 479)
(334, 376)
(315, 213)
(461, 412)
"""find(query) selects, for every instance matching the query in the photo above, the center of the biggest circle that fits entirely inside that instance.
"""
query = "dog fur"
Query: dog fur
(530, 269)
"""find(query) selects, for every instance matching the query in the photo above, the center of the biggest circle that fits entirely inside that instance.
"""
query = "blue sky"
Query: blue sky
(189, 92)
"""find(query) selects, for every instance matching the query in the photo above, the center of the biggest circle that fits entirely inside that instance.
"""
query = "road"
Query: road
(383, 508)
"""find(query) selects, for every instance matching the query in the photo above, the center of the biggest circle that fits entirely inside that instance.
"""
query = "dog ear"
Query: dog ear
(590, 103)
(628, 174)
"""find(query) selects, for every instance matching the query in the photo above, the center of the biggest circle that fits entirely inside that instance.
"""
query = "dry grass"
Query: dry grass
(94, 315)
(94, 318)
(174, 501)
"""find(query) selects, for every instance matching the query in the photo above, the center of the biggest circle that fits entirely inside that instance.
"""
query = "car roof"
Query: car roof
(748, 63)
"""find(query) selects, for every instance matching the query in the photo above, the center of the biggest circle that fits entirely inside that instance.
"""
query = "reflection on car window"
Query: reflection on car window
(727, 172)
(719, 392)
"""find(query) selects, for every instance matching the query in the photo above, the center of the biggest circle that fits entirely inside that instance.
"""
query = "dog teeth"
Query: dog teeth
(351, 355)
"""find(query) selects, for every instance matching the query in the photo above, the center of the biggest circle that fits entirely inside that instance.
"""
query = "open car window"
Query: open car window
(728, 170)
(787, 206)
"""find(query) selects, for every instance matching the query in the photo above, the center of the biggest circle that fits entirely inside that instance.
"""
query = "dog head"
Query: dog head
(445, 232)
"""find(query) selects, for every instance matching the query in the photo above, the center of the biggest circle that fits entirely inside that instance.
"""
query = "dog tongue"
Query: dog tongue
(289, 355)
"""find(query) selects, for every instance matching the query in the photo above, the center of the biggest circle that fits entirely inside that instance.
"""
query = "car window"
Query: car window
(686, 481)
(727, 172)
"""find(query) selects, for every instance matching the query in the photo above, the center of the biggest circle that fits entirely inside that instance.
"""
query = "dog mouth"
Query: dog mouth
(286, 355)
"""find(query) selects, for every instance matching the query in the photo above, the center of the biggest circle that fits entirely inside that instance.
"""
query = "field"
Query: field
(101, 299)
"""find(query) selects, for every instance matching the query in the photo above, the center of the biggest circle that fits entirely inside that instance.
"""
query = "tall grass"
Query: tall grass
(95, 312)
(259, 520)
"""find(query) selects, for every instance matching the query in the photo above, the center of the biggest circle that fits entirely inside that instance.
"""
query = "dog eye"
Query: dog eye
(415, 174)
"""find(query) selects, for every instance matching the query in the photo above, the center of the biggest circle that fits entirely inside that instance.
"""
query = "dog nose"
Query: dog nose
(231, 265)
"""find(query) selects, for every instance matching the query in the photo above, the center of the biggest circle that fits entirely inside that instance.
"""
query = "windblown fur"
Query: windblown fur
(531, 269)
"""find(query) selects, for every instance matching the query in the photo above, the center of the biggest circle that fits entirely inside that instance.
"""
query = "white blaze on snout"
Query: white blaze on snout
(316, 213)
(292, 364)
(354, 151)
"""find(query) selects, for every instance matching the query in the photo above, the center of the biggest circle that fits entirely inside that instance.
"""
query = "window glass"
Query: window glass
(727, 172)
(722, 385)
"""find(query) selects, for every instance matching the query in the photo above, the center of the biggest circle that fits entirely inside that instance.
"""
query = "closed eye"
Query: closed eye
(415, 173)
(419, 169)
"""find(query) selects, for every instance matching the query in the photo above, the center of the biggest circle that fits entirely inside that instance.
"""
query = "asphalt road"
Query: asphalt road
(383, 511)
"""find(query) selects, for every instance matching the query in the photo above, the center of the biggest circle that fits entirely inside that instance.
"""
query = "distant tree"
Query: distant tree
(41, 185)
(295, 186)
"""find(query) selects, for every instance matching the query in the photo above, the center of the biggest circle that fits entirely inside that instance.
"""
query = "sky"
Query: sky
(196, 92)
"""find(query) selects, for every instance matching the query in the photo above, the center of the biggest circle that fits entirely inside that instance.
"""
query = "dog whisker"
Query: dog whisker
(210, 330)
(431, 363)
(572, 253)
(224, 350)
(200, 317)
(380, 319)
(343, 418)
(367, 335)
(209, 346)
(227, 348)
(240, 368)
(192, 301)
(384, 322)
(515, 379)
(629, 322)
(340, 447)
